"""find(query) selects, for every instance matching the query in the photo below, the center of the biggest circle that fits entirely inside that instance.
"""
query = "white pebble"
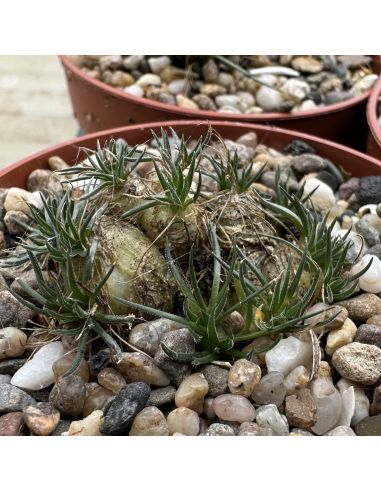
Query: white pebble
(148, 79)
(323, 198)
(134, 90)
(159, 63)
(370, 281)
(269, 99)
(288, 354)
(37, 373)
(177, 86)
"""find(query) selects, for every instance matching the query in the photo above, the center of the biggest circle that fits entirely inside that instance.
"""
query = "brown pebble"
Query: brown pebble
(11, 424)
(68, 395)
(111, 379)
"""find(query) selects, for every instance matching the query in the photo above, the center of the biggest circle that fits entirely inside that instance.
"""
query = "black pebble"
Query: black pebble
(99, 361)
(298, 147)
(129, 402)
(369, 190)
(329, 179)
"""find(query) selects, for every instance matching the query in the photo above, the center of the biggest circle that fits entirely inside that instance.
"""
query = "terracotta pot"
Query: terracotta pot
(98, 106)
(352, 161)
(374, 135)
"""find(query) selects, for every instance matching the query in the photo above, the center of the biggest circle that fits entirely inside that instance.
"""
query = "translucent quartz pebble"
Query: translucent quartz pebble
(270, 389)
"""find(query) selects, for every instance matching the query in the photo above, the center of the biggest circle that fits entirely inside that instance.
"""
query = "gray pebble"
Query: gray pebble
(162, 396)
(13, 399)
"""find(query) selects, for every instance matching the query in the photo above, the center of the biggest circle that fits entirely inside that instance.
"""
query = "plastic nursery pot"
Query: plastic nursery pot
(98, 106)
(71, 151)
(374, 135)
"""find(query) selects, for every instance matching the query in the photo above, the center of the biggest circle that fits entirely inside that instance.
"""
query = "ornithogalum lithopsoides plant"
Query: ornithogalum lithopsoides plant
(101, 259)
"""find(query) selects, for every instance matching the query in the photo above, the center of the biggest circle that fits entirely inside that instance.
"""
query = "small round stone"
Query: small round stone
(370, 426)
(41, 418)
(370, 334)
(162, 396)
(38, 180)
(358, 362)
(270, 389)
(191, 392)
(11, 424)
(243, 377)
(149, 422)
(300, 409)
(340, 337)
(183, 420)
(248, 429)
(234, 408)
(137, 367)
(220, 430)
(362, 307)
(12, 342)
(111, 379)
(217, 378)
(123, 409)
(68, 395)
(181, 341)
(146, 336)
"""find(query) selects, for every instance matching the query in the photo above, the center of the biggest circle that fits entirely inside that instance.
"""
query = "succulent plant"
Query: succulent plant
(98, 262)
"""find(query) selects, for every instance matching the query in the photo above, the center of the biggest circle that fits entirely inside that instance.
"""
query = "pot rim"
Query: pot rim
(199, 113)
(371, 112)
(78, 141)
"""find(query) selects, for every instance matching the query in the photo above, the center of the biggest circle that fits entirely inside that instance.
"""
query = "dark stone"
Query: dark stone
(348, 188)
(333, 169)
(315, 96)
(13, 399)
(370, 334)
(10, 366)
(341, 71)
(368, 232)
(370, 426)
(298, 147)
(217, 378)
(40, 395)
(129, 402)
(180, 341)
(329, 62)
(369, 190)
(329, 179)
(307, 163)
(99, 361)
(162, 396)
